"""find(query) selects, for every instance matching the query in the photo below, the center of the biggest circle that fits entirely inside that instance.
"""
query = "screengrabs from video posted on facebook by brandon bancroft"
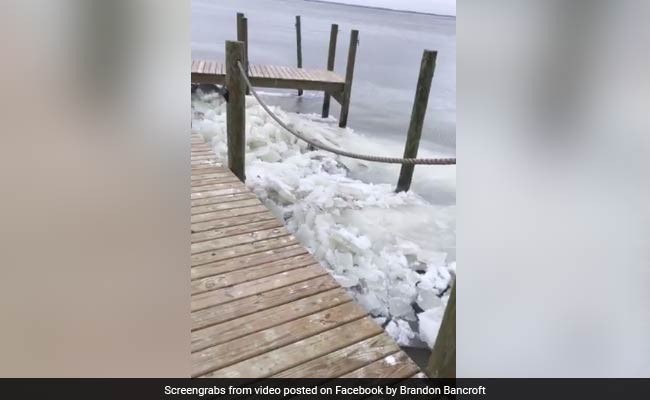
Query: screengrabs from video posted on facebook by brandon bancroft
(278, 199)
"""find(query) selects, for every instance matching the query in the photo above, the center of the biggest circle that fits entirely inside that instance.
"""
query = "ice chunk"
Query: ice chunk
(400, 331)
(429, 322)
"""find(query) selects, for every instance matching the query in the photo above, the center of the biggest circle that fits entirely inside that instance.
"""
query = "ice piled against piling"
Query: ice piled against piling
(362, 232)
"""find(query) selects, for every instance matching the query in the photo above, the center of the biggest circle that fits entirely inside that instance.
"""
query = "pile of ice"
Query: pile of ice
(378, 244)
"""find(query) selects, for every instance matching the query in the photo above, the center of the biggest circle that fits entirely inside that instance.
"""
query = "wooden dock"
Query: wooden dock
(261, 305)
(273, 76)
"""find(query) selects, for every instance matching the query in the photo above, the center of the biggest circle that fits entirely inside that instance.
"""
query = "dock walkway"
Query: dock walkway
(261, 305)
(273, 76)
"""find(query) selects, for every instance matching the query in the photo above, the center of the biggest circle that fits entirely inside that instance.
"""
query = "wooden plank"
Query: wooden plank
(218, 192)
(261, 301)
(232, 220)
(237, 328)
(289, 356)
(208, 174)
(244, 200)
(249, 274)
(211, 181)
(236, 251)
(216, 165)
(207, 169)
(345, 360)
(221, 199)
(260, 71)
(397, 365)
(215, 186)
(213, 245)
(227, 213)
(236, 230)
(220, 296)
(241, 349)
(204, 157)
(218, 195)
(250, 260)
(201, 152)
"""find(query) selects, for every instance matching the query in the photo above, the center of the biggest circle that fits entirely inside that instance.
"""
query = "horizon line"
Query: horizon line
(341, 3)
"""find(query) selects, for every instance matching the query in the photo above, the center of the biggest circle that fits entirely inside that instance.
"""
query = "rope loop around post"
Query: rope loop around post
(321, 146)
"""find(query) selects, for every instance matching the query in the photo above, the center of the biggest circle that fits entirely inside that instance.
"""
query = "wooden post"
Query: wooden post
(299, 47)
(349, 72)
(242, 36)
(330, 67)
(427, 67)
(442, 363)
(236, 110)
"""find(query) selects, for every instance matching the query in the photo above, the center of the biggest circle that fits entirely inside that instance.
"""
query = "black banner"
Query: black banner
(531, 389)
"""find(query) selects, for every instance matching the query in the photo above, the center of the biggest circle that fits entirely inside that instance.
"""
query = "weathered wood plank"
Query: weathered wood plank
(261, 301)
(218, 195)
(249, 274)
(236, 328)
(196, 204)
(241, 349)
(215, 186)
(232, 221)
(251, 260)
(234, 231)
(220, 296)
(397, 365)
(345, 360)
(202, 247)
(225, 205)
(289, 356)
(227, 213)
(237, 251)
(210, 181)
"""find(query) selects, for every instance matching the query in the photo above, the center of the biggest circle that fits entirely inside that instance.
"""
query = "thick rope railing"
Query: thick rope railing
(365, 157)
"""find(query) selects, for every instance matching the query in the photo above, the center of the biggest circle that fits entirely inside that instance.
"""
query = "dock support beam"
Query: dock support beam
(427, 67)
(331, 54)
(442, 363)
(242, 36)
(236, 110)
(349, 73)
(298, 47)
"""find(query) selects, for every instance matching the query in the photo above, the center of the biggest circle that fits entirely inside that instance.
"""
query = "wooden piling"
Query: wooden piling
(298, 47)
(242, 36)
(236, 109)
(349, 73)
(427, 66)
(330, 67)
(442, 363)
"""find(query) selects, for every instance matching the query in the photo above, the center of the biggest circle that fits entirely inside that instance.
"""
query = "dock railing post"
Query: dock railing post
(349, 73)
(330, 67)
(242, 36)
(427, 67)
(442, 363)
(236, 110)
(298, 47)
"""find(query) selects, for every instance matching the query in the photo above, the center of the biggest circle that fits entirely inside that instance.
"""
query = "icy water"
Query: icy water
(395, 253)
(388, 59)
